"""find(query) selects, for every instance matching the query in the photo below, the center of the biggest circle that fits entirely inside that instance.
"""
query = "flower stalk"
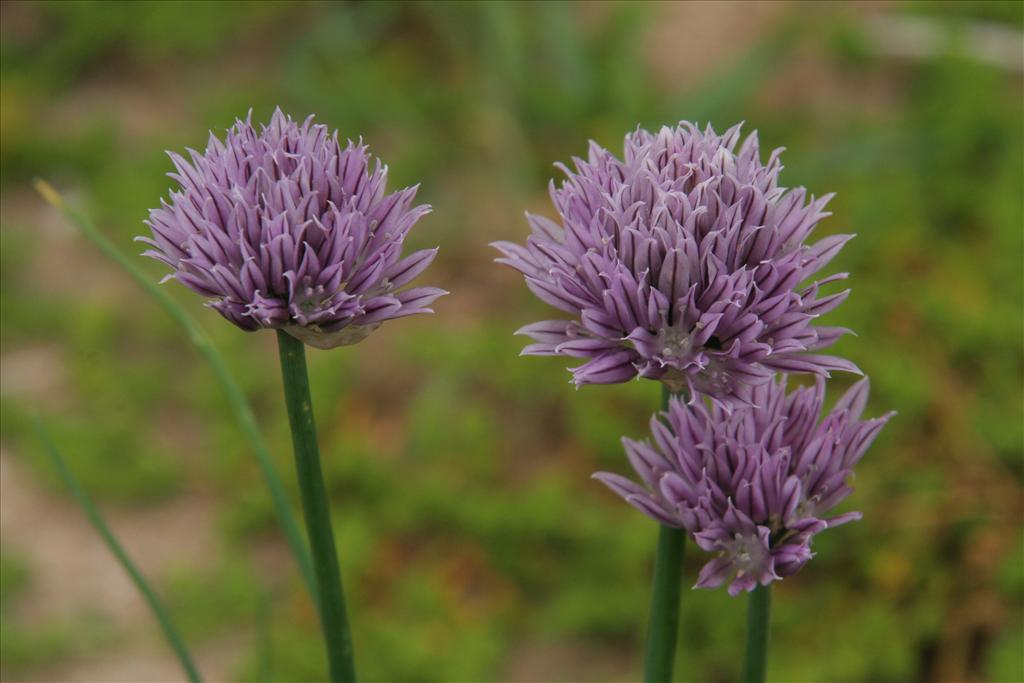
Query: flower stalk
(316, 509)
(663, 628)
(759, 608)
(664, 622)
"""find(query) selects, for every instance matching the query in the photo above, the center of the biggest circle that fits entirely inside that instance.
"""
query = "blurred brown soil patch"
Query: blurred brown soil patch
(145, 662)
(690, 40)
(36, 375)
(72, 570)
(567, 660)
(60, 261)
(73, 574)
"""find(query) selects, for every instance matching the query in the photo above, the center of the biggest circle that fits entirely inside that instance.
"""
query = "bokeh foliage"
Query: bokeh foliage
(470, 535)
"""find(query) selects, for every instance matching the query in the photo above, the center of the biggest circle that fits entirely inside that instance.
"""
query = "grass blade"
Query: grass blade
(239, 406)
(98, 523)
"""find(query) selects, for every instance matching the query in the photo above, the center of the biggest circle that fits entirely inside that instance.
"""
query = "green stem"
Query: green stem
(663, 628)
(664, 622)
(236, 399)
(758, 616)
(315, 507)
(98, 523)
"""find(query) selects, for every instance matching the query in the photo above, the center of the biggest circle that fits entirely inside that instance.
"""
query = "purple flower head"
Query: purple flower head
(683, 262)
(755, 485)
(286, 228)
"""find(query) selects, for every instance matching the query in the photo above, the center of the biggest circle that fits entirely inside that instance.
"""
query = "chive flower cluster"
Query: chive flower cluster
(754, 485)
(686, 262)
(287, 228)
(681, 262)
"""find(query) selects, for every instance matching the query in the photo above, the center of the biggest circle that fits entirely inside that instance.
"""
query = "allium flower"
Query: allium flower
(753, 486)
(285, 228)
(683, 262)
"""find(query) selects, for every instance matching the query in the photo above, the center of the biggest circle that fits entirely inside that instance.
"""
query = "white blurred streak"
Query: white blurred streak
(921, 38)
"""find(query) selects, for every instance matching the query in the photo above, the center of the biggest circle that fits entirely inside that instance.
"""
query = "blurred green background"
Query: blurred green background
(474, 545)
